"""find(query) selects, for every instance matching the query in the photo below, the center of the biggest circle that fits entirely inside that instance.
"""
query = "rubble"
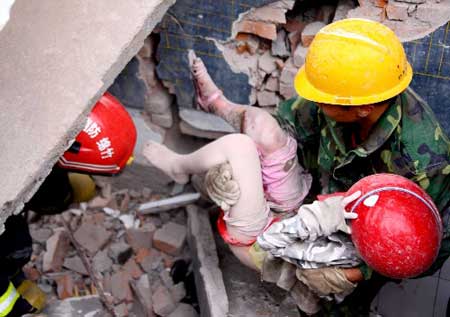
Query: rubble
(57, 247)
(41, 235)
(163, 303)
(120, 252)
(300, 55)
(144, 294)
(124, 261)
(310, 31)
(262, 29)
(120, 287)
(279, 46)
(102, 262)
(170, 238)
(76, 265)
(65, 286)
(92, 237)
(141, 238)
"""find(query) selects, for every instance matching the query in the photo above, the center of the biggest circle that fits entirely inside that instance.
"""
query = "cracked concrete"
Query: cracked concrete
(57, 59)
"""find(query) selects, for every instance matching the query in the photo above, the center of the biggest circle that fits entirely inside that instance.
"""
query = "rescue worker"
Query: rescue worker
(105, 147)
(355, 116)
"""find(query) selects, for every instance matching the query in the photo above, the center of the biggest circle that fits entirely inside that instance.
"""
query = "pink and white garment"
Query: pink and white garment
(285, 182)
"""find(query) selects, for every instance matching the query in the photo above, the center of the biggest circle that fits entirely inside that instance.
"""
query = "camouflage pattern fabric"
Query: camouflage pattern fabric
(407, 141)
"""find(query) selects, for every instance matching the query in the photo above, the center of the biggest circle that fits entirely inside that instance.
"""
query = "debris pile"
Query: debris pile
(130, 255)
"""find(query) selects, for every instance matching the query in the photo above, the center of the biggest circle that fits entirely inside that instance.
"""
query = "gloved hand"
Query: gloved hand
(326, 281)
(322, 218)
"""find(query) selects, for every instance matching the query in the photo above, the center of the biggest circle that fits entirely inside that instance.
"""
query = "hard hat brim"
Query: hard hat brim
(306, 90)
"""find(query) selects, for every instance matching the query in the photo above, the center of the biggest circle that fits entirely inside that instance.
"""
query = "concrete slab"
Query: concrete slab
(76, 307)
(211, 293)
(57, 59)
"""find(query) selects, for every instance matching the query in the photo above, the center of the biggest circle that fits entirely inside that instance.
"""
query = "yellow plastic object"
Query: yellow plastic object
(353, 62)
(32, 294)
(83, 187)
(130, 160)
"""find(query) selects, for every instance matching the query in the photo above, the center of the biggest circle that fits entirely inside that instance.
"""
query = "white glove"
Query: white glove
(322, 218)
(312, 221)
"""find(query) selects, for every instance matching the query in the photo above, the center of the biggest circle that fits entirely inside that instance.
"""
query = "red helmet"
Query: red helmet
(399, 229)
(107, 141)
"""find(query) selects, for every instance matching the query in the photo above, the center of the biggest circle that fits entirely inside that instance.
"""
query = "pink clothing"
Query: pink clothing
(285, 182)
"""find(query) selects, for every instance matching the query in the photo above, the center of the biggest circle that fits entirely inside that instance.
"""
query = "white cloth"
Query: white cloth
(315, 237)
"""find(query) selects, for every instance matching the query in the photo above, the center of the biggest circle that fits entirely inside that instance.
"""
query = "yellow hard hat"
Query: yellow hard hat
(353, 62)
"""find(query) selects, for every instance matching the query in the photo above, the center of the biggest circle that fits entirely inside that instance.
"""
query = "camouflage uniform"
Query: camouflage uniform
(407, 140)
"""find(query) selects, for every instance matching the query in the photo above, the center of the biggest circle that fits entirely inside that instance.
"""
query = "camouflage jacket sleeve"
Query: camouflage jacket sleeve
(300, 118)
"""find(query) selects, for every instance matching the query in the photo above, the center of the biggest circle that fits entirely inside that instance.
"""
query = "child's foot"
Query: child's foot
(206, 90)
(165, 160)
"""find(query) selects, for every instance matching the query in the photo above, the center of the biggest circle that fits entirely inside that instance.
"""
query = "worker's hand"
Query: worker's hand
(326, 281)
(353, 274)
(331, 213)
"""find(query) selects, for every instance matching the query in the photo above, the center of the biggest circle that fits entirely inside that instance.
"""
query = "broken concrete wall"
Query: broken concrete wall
(193, 24)
(57, 59)
(254, 50)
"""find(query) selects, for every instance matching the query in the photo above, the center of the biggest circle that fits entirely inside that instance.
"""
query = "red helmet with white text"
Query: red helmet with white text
(106, 143)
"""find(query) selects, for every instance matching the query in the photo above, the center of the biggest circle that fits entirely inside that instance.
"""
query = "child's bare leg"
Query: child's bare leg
(256, 123)
(240, 152)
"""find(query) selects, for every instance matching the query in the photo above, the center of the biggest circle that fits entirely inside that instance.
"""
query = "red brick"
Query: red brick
(262, 29)
(57, 248)
(170, 238)
(64, 286)
(397, 11)
(141, 238)
(294, 25)
(132, 268)
(141, 254)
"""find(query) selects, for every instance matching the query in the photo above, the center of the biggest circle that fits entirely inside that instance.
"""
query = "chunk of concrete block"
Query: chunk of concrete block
(92, 237)
(211, 292)
(76, 307)
(57, 248)
(57, 59)
(163, 303)
(170, 238)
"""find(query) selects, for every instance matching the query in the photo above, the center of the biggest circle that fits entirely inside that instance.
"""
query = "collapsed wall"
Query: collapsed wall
(253, 49)
(56, 59)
